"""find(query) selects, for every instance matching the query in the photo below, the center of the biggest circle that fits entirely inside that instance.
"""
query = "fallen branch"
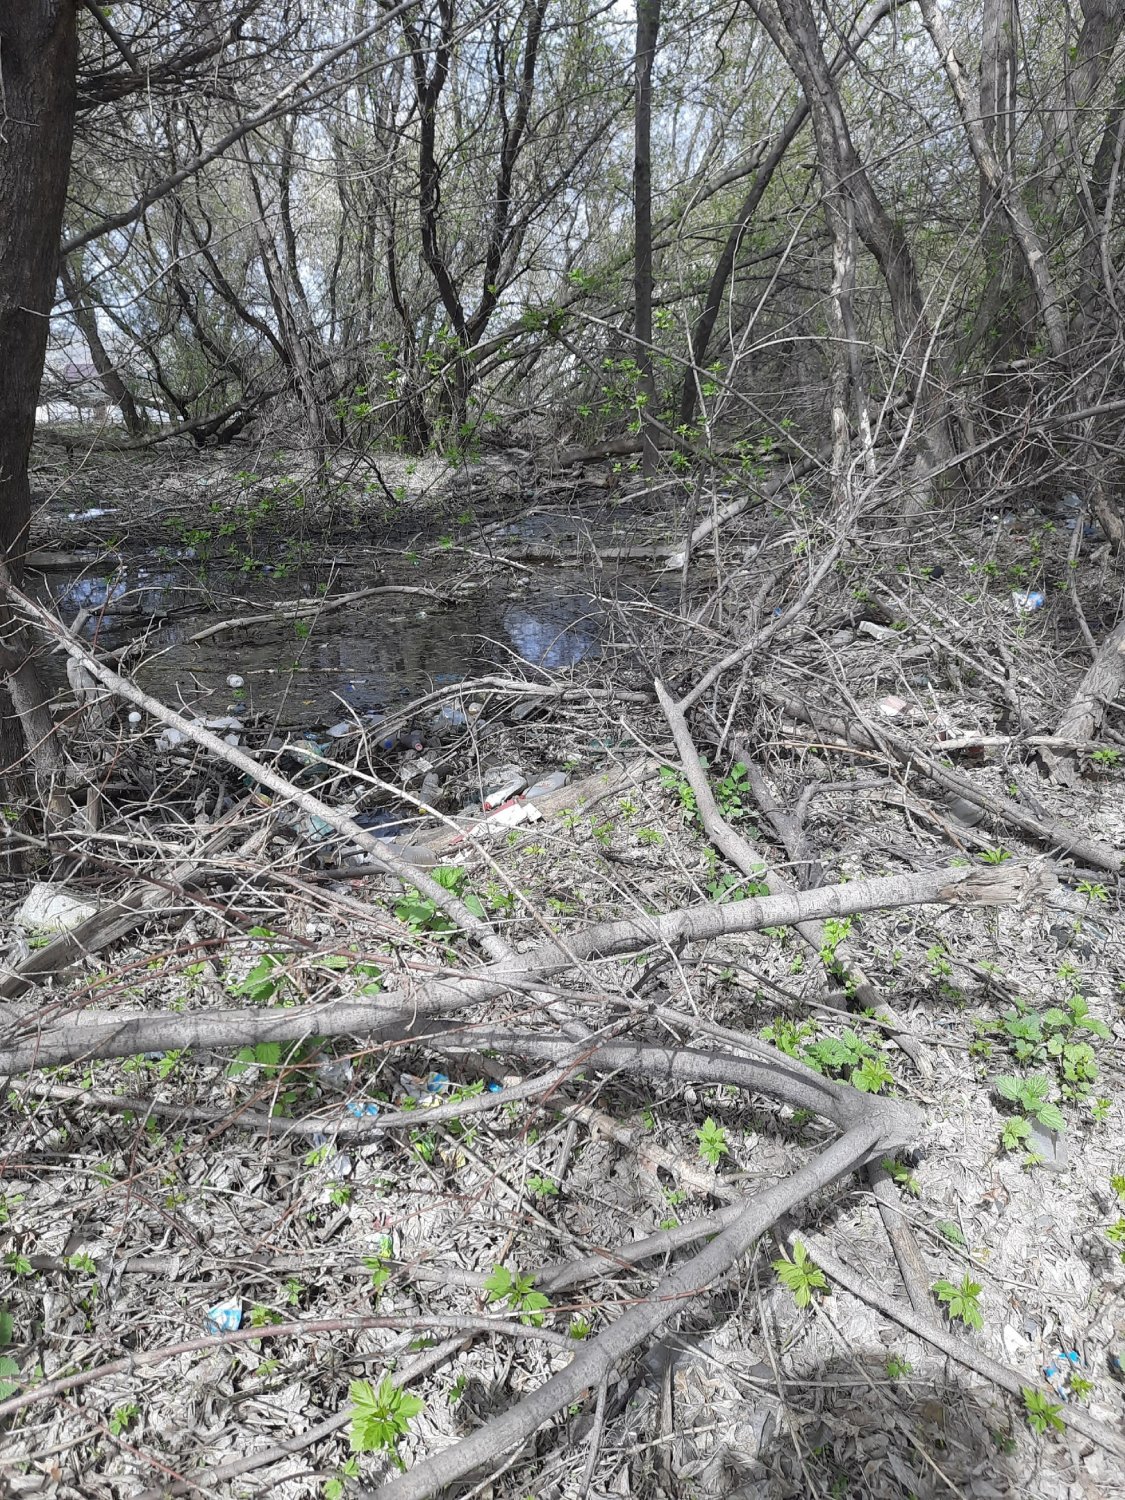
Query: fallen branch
(1089, 851)
(191, 729)
(598, 1356)
(306, 609)
(386, 1018)
(1083, 715)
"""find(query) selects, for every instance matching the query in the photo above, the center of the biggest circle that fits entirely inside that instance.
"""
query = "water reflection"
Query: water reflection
(370, 657)
(553, 633)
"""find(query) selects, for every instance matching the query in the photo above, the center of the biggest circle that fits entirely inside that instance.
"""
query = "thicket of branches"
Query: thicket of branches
(429, 239)
(882, 240)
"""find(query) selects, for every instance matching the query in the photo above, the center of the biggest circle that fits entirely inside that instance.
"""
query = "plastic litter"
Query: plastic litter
(52, 909)
(338, 731)
(511, 815)
(426, 1090)
(547, 784)
(431, 786)
(235, 681)
(224, 1317)
(135, 717)
(1027, 601)
(878, 632)
(1064, 1364)
(504, 792)
(893, 708)
(335, 1072)
(361, 1109)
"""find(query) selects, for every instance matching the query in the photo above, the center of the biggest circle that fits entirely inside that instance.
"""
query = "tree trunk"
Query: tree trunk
(38, 60)
(38, 63)
(648, 25)
(997, 183)
(842, 169)
(86, 317)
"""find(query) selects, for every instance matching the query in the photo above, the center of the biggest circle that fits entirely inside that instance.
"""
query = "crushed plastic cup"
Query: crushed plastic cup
(224, 1317)
(426, 1090)
(1027, 601)
(336, 1072)
(495, 1088)
(362, 1109)
(512, 815)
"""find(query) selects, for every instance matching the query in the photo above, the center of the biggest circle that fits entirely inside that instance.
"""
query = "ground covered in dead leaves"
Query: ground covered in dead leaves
(188, 1304)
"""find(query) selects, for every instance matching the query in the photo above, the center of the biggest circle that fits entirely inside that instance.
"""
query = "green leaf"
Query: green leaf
(1051, 1116)
(498, 1284)
(8, 1367)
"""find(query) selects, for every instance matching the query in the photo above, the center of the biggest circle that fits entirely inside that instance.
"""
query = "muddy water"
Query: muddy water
(368, 657)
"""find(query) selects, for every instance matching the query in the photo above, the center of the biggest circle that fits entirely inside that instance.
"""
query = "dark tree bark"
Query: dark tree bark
(648, 26)
(38, 62)
(38, 65)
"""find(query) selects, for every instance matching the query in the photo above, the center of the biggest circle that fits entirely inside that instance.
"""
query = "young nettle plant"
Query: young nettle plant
(712, 1140)
(1030, 1095)
(960, 1301)
(845, 1056)
(1041, 1412)
(517, 1288)
(1115, 1234)
(380, 1415)
(800, 1275)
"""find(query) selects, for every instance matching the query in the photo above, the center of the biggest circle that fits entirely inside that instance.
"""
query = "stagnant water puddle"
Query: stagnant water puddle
(368, 657)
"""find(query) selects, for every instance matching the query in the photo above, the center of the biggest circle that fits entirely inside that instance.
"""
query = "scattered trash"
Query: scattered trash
(1049, 1145)
(404, 739)
(511, 815)
(235, 681)
(1027, 601)
(224, 721)
(495, 1088)
(135, 717)
(547, 784)
(893, 708)
(169, 738)
(334, 1072)
(361, 1109)
(308, 752)
(967, 813)
(506, 790)
(1061, 1369)
(339, 731)
(224, 1317)
(878, 632)
(52, 909)
(426, 1090)
(431, 786)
